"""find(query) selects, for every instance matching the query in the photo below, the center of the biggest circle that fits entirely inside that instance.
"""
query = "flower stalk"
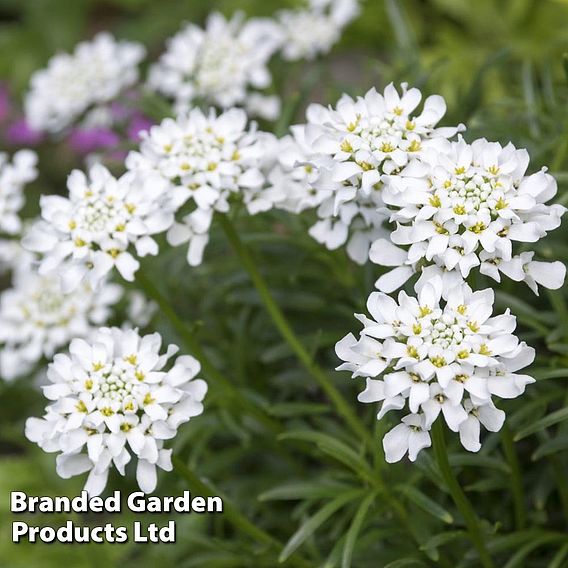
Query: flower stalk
(192, 344)
(230, 512)
(459, 497)
(281, 323)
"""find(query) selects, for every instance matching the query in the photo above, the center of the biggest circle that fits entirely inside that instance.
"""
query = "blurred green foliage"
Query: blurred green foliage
(499, 63)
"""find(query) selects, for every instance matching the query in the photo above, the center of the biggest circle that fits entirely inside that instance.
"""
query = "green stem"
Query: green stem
(230, 511)
(317, 373)
(289, 336)
(516, 477)
(458, 496)
(193, 345)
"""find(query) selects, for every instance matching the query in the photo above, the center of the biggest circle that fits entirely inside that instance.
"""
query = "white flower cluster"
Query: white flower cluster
(95, 73)
(37, 318)
(313, 31)
(437, 357)
(462, 206)
(218, 65)
(112, 400)
(205, 159)
(352, 147)
(14, 175)
(457, 207)
(225, 64)
(83, 236)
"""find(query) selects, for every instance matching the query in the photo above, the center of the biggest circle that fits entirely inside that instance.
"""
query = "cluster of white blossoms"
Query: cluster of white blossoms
(427, 357)
(205, 159)
(95, 73)
(225, 64)
(102, 222)
(14, 175)
(220, 64)
(112, 399)
(352, 147)
(37, 318)
(314, 30)
(462, 206)
(455, 207)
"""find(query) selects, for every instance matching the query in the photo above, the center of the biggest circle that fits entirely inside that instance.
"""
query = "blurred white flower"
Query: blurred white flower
(14, 175)
(436, 357)
(461, 206)
(83, 236)
(96, 72)
(217, 65)
(140, 310)
(352, 146)
(12, 254)
(112, 399)
(263, 106)
(314, 30)
(205, 159)
(37, 318)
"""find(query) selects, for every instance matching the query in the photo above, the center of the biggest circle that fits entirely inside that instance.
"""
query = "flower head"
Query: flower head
(204, 159)
(14, 175)
(218, 64)
(435, 357)
(37, 318)
(352, 146)
(113, 399)
(83, 236)
(310, 32)
(95, 73)
(463, 206)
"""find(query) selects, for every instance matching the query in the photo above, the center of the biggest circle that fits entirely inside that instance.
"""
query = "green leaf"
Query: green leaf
(559, 557)
(334, 448)
(404, 562)
(558, 444)
(304, 490)
(546, 373)
(314, 522)
(402, 30)
(489, 484)
(425, 503)
(479, 461)
(354, 530)
(288, 409)
(441, 539)
(518, 559)
(546, 422)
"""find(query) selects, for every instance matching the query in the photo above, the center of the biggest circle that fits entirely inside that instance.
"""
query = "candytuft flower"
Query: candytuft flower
(14, 175)
(314, 30)
(434, 357)
(112, 400)
(204, 159)
(37, 318)
(463, 206)
(85, 235)
(95, 73)
(219, 64)
(352, 146)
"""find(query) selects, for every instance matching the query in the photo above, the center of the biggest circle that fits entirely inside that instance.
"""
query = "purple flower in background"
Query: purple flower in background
(85, 141)
(139, 123)
(120, 111)
(20, 133)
